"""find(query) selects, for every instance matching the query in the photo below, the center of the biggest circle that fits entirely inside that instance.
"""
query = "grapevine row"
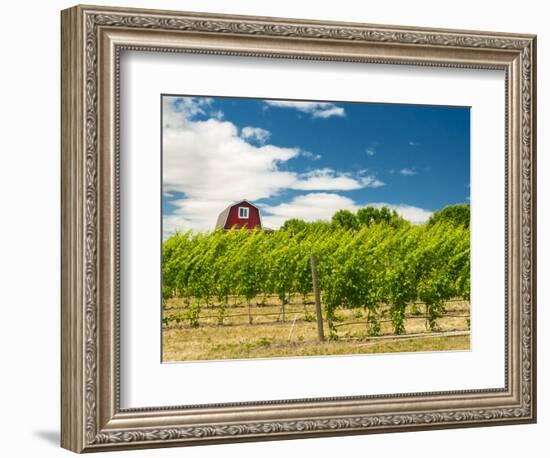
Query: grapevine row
(374, 265)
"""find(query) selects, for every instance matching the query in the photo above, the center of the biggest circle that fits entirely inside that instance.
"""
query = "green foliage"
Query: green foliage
(192, 315)
(361, 265)
(345, 219)
(458, 215)
(221, 313)
(294, 225)
(374, 326)
(174, 318)
(367, 216)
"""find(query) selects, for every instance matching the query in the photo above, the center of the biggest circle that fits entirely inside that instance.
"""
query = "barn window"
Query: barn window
(243, 212)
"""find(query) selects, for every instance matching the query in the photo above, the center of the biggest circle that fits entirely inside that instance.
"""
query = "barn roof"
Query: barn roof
(222, 217)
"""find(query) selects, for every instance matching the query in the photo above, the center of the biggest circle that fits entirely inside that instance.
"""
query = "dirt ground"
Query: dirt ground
(272, 335)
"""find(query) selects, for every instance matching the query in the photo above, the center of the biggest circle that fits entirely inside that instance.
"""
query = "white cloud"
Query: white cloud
(309, 207)
(415, 215)
(255, 133)
(178, 110)
(407, 171)
(218, 114)
(370, 151)
(414, 143)
(371, 182)
(208, 160)
(197, 214)
(310, 155)
(328, 112)
(212, 165)
(321, 206)
(315, 109)
(329, 180)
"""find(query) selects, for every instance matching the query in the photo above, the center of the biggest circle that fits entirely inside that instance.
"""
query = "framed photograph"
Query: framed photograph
(278, 228)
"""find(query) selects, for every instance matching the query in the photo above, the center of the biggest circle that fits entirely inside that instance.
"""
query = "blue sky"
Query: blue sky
(309, 159)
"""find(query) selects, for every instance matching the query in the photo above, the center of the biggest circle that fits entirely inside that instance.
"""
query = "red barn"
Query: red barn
(241, 214)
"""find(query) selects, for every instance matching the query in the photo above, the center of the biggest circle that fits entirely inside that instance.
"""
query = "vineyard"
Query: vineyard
(384, 278)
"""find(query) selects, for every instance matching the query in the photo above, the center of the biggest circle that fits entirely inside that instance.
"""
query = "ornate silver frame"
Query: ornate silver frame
(92, 39)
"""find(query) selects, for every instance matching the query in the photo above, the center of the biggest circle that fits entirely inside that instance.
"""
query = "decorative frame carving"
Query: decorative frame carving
(92, 39)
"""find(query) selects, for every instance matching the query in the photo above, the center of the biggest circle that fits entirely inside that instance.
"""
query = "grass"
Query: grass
(269, 336)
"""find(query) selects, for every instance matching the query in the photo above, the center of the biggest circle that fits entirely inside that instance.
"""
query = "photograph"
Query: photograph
(301, 228)
(276, 227)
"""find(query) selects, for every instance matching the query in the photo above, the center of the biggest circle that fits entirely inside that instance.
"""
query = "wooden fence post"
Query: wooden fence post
(317, 294)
